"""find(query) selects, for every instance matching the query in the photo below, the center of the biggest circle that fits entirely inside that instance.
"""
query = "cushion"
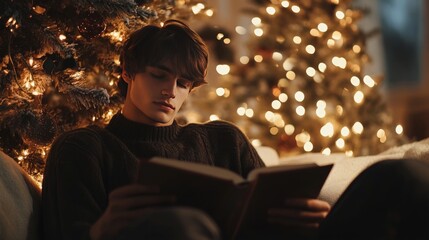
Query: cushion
(19, 202)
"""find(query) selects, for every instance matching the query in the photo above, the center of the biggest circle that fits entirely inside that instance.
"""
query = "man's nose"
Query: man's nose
(170, 88)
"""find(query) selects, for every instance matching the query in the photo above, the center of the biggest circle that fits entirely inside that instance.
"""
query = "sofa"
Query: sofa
(20, 201)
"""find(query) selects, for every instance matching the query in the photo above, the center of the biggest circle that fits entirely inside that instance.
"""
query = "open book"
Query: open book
(233, 202)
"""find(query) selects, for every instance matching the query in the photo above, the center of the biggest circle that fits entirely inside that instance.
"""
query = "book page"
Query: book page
(203, 169)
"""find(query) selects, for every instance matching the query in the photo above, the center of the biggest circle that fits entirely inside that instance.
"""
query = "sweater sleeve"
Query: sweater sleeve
(74, 195)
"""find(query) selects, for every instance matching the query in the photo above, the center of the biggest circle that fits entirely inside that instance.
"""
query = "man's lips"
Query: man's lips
(166, 104)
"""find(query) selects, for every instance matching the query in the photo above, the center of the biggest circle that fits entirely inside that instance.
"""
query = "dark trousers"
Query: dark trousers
(389, 200)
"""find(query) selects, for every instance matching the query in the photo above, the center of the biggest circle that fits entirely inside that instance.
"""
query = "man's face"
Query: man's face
(155, 96)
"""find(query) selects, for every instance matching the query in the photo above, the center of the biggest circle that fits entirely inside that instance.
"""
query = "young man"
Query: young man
(88, 190)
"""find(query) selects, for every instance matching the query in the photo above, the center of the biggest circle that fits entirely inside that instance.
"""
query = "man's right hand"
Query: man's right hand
(127, 204)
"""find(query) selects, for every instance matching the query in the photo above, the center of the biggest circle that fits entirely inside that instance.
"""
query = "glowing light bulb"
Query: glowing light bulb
(223, 69)
(289, 129)
(276, 104)
(355, 81)
(308, 146)
(299, 96)
(244, 59)
(322, 27)
(399, 129)
(358, 97)
(270, 10)
(240, 30)
(256, 21)
(310, 49)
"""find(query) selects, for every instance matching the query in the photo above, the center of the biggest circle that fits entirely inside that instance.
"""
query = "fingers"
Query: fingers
(137, 196)
(308, 204)
(304, 216)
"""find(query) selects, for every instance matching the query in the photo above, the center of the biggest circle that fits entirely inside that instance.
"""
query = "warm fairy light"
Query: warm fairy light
(258, 58)
(256, 143)
(345, 131)
(249, 112)
(285, 4)
(369, 81)
(295, 9)
(283, 82)
(331, 43)
(227, 92)
(326, 151)
(290, 75)
(321, 104)
(327, 130)
(310, 49)
(310, 71)
(241, 111)
(219, 36)
(381, 133)
(209, 12)
(336, 35)
(111, 82)
(322, 27)
(358, 97)
(244, 59)
(258, 32)
(256, 21)
(340, 15)
(335, 1)
(299, 96)
(279, 122)
(289, 129)
(240, 30)
(315, 33)
(322, 67)
(220, 92)
(36, 93)
(276, 104)
(222, 69)
(288, 64)
(277, 56)
(300, 110)
(339, 62)
(214, 117)
(355, 81)
(31, 61)
(321, 112)
(308, 146)
(283, 97)
(297, 39)
(340, 143)
(270, 10)
(349, 153)
(197, 8)
(274, 130)
(399, 129)
(62, 37)
(356, 48)
(115, 36)
(227, 41)
(93, 118)
(269, 116)
(302, 138)
(357, 128)
(339, 109)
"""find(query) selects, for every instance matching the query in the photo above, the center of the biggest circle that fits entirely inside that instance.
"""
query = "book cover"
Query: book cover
(235, 203)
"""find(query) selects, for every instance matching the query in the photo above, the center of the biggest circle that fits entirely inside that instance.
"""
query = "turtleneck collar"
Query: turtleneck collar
(127, 129)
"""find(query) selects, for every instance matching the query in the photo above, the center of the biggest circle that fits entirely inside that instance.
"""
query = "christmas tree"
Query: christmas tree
(60, 64)
(302, 87)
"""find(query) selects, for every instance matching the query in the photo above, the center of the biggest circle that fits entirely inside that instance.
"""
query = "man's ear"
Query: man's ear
(126, 76)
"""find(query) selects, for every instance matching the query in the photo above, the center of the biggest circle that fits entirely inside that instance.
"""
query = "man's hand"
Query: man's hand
(299, 215)
(126, 204)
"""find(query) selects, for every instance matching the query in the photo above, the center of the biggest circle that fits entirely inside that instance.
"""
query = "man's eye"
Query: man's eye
(157, 75)
(184, 84)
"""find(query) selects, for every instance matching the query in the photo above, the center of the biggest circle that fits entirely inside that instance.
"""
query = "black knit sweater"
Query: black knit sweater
(85, 165)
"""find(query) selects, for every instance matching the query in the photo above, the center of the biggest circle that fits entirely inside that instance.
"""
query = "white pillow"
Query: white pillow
(19, 202)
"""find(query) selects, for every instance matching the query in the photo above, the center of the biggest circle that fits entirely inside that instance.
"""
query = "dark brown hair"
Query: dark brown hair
(174, 42)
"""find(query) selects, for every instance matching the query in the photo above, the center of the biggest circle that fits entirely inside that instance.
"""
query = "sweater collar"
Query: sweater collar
(130, 130)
